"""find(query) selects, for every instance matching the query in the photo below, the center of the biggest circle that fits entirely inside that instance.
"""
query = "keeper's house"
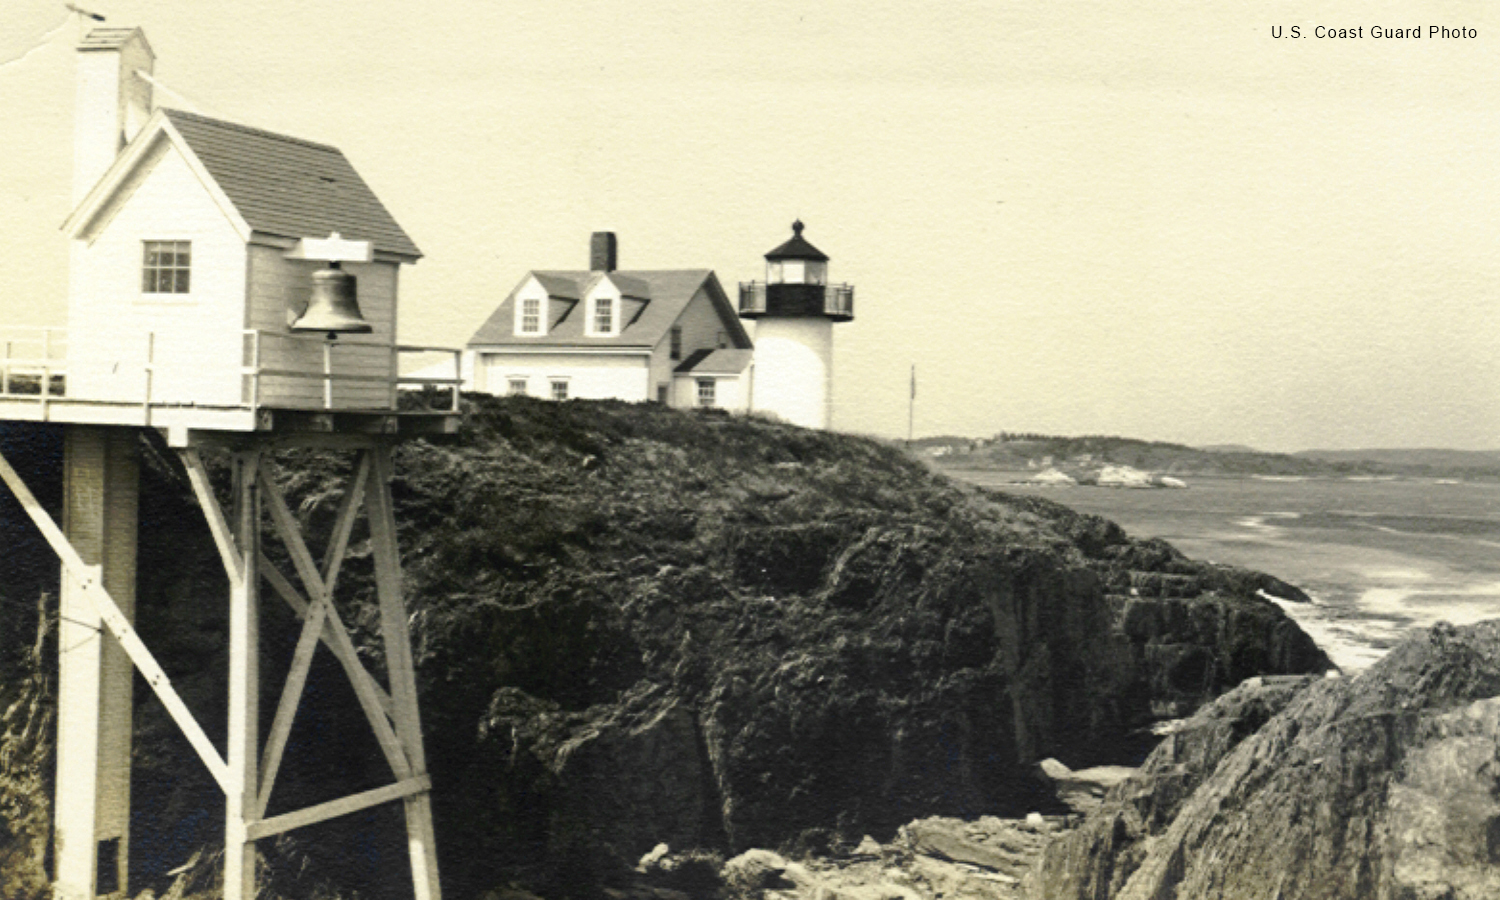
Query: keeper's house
(666, 335)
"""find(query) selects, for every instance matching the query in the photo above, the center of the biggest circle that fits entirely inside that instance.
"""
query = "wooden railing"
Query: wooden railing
(34, 366)
(33, 362)
(329, 375)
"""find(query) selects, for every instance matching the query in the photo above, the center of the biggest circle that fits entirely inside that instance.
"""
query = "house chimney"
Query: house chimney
(602, 252)
(113, 103)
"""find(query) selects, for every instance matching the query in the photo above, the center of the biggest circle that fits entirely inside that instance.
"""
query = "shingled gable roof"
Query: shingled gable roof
(113, 39)
(670, 291)
(282, 187)
(715, 362)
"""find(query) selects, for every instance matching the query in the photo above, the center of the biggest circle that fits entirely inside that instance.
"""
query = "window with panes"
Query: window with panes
(167, 267)
(531, 316)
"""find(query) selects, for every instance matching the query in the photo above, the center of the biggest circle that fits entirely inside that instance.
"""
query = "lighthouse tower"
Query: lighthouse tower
(794, 311)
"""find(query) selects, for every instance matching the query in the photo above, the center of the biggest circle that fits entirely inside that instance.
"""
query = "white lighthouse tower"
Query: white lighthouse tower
(794, 311)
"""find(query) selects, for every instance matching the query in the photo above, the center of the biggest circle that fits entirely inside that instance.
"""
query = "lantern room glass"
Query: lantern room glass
(796, 271)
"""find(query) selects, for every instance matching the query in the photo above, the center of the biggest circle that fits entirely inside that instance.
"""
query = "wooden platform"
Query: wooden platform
(186, 425)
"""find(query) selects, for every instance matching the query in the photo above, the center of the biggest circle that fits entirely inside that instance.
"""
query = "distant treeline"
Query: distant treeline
(1011, 450)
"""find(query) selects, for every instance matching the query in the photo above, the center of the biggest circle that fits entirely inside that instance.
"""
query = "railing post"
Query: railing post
(46, 369)
(150, 374)
(328, 374)
(458, 377)
(395, 399)
(255, 376)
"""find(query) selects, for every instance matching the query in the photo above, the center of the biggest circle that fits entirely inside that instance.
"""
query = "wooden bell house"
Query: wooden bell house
(236, 290)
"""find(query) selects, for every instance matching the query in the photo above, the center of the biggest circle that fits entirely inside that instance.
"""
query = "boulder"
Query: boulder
(1384, 785)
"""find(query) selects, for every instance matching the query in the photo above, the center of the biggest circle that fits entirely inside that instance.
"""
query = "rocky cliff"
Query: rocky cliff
(1380, 786)
(637, 626)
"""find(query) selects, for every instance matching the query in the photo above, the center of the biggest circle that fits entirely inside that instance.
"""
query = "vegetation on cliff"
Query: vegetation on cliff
(637, 625)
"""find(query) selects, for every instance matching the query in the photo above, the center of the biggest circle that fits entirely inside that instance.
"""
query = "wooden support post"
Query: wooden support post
(421, 840)
(244, 686)
(100, 487)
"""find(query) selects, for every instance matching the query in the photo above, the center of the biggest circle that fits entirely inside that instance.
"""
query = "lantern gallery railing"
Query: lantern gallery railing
(287, 371)
(33, 362)
(838, 300)
(752, 297)
(832, 300)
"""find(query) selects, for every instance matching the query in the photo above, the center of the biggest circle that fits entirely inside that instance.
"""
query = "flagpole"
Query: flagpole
(911, 405)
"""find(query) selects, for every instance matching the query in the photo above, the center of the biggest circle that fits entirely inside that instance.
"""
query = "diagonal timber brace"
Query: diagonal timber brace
(89, 580)
(318, 616)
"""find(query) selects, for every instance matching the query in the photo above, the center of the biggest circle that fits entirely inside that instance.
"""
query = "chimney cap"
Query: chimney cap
(113, 39)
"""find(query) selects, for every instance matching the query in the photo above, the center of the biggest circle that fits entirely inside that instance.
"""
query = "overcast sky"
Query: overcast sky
(1148, 219)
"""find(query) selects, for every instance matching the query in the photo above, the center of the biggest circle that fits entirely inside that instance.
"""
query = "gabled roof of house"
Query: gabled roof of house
(715, 362)
(669, 291)
(627, 285)
(280, 186)
(558, 288)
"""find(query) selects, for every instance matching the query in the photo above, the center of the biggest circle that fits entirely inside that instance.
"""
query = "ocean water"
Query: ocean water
(1378, 557)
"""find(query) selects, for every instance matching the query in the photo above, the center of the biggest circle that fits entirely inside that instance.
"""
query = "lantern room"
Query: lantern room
(797, 285)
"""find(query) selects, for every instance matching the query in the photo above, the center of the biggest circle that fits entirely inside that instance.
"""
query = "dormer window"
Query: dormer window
(531, 316)
(167, 267)
(604, 315)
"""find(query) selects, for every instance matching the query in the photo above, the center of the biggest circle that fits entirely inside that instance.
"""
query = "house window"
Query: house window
(559, 389)
(531, 316)
(705, 392)
(677, 342)
(604, 315)
(166, 267)
(517, 387)
(723, 341)
(661, 393)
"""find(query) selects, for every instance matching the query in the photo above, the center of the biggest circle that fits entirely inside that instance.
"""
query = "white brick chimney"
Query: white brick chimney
(113, 103)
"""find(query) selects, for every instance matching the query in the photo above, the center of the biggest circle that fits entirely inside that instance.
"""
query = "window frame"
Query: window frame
(675, 349)
(181, 273)
(522, 316)
(558, 388)
(710, 395)
(511, 382)
(604, 316)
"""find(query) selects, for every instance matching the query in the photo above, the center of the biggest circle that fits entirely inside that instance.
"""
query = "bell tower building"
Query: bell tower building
(794, 311)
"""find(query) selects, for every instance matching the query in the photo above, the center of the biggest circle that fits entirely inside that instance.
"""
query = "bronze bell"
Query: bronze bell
(334, 306)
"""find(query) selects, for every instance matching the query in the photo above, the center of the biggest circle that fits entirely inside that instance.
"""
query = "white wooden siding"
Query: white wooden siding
(589, 377)
(701, 326)
(729, 391)
(279, 291)
(197, 335)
